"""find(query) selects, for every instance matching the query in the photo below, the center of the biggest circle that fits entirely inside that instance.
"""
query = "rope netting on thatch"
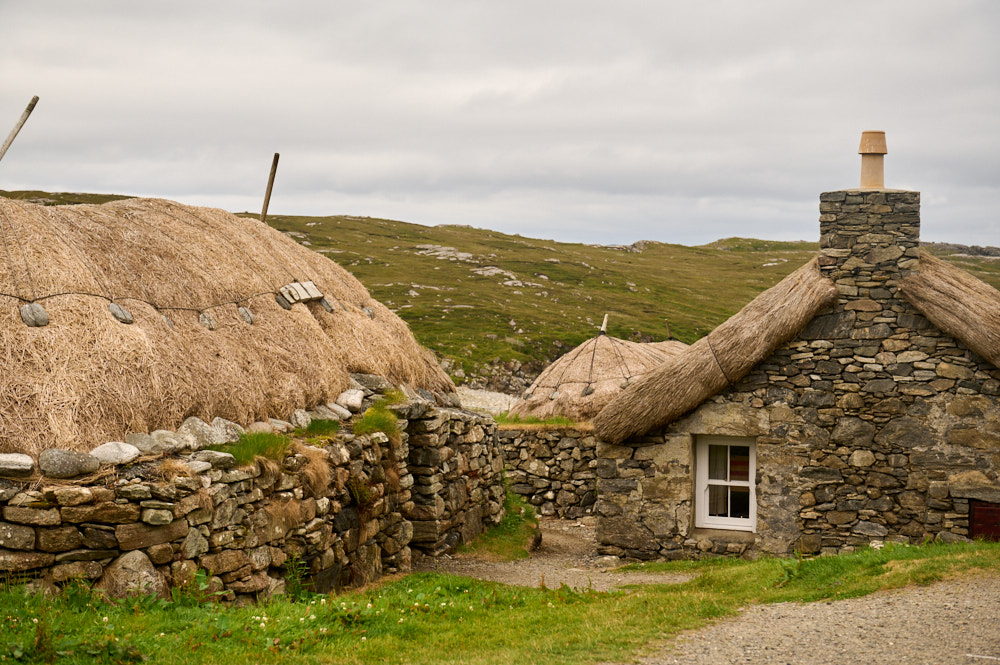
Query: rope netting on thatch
(580, 383)
(721, 358)
(86, 378)
(958, 303)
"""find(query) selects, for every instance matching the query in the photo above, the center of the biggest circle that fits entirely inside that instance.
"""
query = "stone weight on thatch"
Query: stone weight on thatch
(582, 381)
(34, 315)
(84, 379)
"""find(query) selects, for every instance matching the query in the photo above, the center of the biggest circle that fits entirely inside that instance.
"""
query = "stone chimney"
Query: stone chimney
(870, 236)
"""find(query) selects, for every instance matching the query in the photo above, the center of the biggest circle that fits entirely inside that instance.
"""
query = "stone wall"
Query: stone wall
(457, 465)
(552, 468)
(870, 425)
(342, 508)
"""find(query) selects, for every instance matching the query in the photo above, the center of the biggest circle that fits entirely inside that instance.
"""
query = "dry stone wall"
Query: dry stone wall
(554, 469)
(870, 425)
(347, 510)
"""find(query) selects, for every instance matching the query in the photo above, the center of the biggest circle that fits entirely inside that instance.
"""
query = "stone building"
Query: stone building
(857, 400)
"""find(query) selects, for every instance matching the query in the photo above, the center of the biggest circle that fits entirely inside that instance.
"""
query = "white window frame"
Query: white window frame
(702, 518)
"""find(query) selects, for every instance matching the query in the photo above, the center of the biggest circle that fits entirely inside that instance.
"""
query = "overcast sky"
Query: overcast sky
(576, 120)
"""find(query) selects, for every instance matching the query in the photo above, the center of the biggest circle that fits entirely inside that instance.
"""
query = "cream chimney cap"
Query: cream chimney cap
(872, 143)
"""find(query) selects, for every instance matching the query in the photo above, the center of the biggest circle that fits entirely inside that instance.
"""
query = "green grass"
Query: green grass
(377, 418)
(319, 428)
(509, 540)
(256, 444)
(508, 419)
(430, 618)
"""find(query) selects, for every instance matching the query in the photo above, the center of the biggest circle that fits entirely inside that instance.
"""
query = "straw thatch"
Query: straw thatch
(86, 378)
(580, 383)
(725, 356)
(959, 304)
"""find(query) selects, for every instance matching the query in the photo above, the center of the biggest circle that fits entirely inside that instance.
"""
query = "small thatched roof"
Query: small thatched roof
(86, 378)
(581, 382)
(720, 359)
(959, 304)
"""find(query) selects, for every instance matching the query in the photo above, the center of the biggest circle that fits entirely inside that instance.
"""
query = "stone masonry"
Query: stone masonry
(349, 510)
(552, 468)
(870, 425)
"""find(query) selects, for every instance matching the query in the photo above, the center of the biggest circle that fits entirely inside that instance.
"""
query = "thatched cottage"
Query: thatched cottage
(856, 400)
(582, 381)
(134, 315)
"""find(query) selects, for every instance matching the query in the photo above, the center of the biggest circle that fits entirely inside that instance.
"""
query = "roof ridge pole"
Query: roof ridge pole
(18, 126)
(270, 184)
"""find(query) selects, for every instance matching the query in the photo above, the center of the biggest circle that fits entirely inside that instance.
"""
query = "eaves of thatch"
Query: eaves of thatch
(720, 359)
(952, 299)
(208, 336)
(959, 304)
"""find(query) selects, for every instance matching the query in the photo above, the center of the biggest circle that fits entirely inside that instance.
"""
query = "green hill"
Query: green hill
(485, 299)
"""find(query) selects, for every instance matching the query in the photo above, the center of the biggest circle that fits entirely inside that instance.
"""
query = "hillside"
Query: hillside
(492, 302)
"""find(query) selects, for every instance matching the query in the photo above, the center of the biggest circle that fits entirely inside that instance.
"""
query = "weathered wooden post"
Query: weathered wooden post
(270, 184)
(18, 126)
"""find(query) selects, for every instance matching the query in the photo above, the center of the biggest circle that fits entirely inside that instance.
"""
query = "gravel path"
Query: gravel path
(485, 401)
(956, 621)
(567, 555)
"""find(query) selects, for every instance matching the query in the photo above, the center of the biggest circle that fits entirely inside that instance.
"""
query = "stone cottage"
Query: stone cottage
(857, 400)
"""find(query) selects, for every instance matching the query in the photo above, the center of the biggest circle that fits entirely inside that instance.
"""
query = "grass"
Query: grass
(509, 540)
(431, 618)
(377, 418)
(509, 420)
(319, 428)
(256, 444)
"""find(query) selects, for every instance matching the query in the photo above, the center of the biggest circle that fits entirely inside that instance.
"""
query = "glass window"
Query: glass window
(725, 476)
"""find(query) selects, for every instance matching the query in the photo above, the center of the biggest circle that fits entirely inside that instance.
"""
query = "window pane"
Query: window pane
(717, 462)
(718, 500)
(739, 463)
(739, 502)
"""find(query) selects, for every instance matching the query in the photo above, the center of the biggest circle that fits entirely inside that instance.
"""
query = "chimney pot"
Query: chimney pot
(872, 151)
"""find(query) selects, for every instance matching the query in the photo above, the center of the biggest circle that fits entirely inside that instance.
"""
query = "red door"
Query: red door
(984, 520)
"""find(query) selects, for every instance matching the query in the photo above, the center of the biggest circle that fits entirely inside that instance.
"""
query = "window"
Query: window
(725, 492)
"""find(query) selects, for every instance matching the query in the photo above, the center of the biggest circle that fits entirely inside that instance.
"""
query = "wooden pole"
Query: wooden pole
(604, 326)
(270, 184)
(18, 126)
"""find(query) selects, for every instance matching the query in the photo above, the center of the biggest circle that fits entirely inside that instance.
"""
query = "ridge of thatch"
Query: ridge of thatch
(958, 303)
(583, 380)
(85, 378)
(720, 359)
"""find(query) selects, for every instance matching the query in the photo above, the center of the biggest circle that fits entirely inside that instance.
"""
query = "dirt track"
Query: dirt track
(957, 621)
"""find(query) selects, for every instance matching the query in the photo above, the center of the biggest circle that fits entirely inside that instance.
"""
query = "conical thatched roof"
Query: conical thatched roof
(86, 378)
(580, 383)
(722, 358)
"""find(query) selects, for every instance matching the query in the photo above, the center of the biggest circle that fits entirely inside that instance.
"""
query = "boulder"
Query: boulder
(227, 429)
(16, 464)
(132, 574)
(300, 419)
(196, 434)
(116, 452)
(59, 463)
(341, 412)
(351, 400)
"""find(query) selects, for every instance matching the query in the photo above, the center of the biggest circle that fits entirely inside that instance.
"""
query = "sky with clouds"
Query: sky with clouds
(576, 120)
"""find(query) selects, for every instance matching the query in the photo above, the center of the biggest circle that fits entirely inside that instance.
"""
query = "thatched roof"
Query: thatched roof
(959, 304)
(581, 382)
(720, 359)
(86, 378)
